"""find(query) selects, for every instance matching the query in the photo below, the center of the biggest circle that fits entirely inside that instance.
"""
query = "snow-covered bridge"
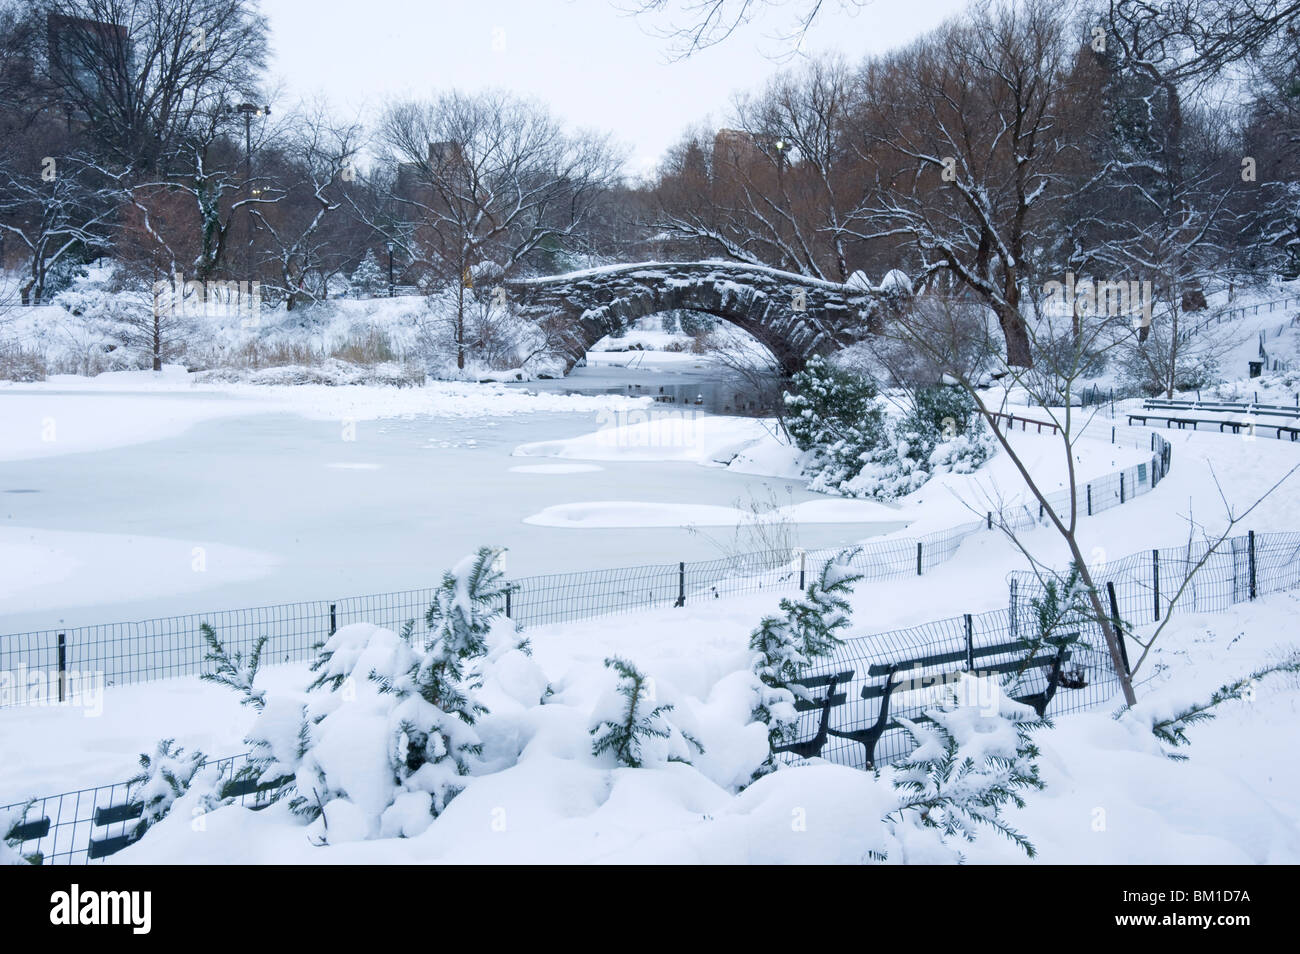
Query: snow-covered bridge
(794, 316)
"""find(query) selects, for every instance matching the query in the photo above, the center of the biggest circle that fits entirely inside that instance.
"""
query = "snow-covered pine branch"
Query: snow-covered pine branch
(236, 671)
(634, 730)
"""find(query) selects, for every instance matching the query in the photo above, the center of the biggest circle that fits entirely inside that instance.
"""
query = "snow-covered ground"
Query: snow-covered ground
(1111, 796)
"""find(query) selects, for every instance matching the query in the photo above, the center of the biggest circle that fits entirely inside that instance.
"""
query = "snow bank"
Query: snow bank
(652, 435)
(613, 513)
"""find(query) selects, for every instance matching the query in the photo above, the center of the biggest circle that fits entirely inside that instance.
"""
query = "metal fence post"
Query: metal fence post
(509, 589)
(1250, 550)
(918, 557)
(1121, 486)
(803, 568)
(63, 664)
(1119, 628)
(1014, 625)
(1088, 488)
(970, 644)
(333, 620)
(1155, 580)
(990, 519)
(681, 585)
(1153, 473)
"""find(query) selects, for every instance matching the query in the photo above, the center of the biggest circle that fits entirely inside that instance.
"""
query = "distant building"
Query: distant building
(79, 49)
(414, 178)
(735, 147)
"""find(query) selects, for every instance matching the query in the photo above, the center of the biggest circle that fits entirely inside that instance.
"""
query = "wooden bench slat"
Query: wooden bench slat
(103, 847)
(817, 705)
(1042, 662)
(882, 669)
(118, 813)
(29, 831)
(813, 682)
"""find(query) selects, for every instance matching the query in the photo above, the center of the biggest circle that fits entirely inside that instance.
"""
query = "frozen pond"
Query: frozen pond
(386, 510)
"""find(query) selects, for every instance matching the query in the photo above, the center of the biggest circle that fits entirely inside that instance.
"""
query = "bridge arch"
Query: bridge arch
(794, 316)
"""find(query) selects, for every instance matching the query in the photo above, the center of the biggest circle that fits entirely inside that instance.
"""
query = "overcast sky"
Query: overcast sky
(591, 63)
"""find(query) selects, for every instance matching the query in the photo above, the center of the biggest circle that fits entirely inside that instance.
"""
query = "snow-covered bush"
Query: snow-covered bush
(368, 279)
(629, 726)
(974, 755)
(164, 776)
(108, 309)
(942, 433)
(837, 419)
(851, 447)
(386, 735)
(784, 645)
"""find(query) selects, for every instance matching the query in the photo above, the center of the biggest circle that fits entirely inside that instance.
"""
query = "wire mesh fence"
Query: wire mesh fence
(132, 652)
(1198, 577)
(90, 824)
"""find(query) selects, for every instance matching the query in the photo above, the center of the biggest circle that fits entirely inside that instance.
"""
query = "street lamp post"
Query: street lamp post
(249, 110)
(781, 146)
(389, 245)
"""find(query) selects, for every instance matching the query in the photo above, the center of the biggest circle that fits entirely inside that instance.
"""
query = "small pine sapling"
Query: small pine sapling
(970, 761)
(469, 599)
(164, 777)
(234, 671)
(433, 738)
(787, 644)
(1064, 603)
(629, 734)
(432, 677)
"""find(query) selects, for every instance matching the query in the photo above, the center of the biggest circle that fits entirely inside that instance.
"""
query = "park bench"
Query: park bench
(1223, 407)
(937, 668)
(1293, 431)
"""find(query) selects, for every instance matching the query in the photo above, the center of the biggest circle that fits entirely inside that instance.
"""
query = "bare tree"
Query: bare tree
(323, 155)
(57, 207)
(966, 139)
(703, 23)
(486, 183)
(220, 188)
(937, 329)
(140, 73)
(779, 190)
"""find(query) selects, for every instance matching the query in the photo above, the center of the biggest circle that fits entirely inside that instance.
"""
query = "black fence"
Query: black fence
(1149, 586)
(167, 647)
(90, 824)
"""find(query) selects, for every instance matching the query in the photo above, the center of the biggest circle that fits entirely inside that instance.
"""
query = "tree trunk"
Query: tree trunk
(1019, 354)
(460, 325)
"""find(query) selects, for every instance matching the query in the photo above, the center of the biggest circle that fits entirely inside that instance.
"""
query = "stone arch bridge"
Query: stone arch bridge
(794, 316)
